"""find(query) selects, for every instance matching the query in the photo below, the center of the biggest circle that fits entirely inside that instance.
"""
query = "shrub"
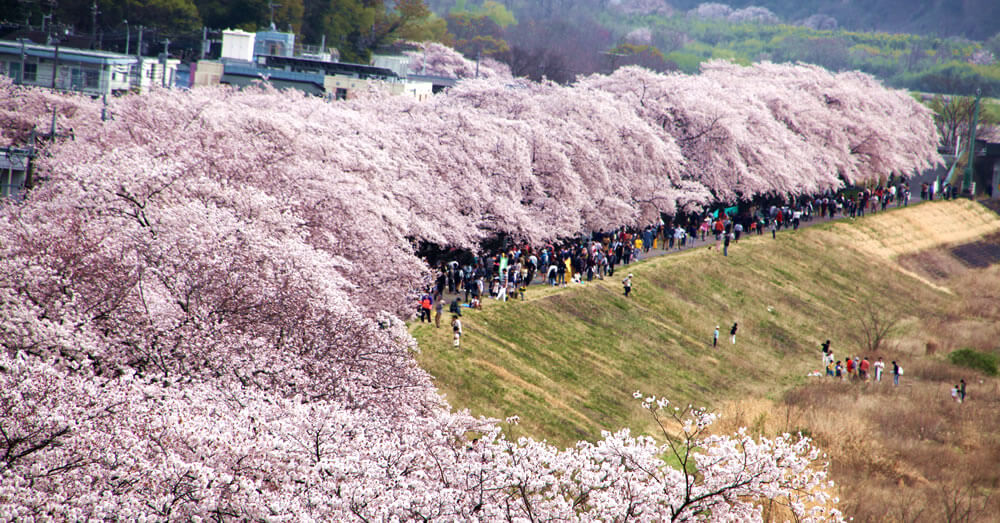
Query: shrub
(973, 359)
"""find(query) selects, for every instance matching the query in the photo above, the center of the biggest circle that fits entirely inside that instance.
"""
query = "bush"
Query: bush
(974, 359)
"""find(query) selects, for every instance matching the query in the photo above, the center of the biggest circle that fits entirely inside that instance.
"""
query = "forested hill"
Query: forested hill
(940, 46)
(973, 19)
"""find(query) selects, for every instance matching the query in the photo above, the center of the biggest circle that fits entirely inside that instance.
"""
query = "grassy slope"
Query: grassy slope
(568, 360)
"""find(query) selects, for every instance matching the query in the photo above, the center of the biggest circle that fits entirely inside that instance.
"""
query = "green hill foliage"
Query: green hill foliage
(561, 40)
(970, 358)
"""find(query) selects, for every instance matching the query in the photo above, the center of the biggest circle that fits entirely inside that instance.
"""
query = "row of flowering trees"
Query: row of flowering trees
(200, 306)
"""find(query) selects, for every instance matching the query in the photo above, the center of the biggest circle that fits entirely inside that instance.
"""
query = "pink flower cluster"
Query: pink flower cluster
(199, 305)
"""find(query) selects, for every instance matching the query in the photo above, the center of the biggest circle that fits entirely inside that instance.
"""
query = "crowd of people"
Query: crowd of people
(857, 368)
(505, 274)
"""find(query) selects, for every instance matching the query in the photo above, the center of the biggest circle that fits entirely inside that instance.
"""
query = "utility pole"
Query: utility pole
(128, 35)
(163, 62)
(51, 4)
(29, 179)
(55, 65)
(968, 185)
(20, 77)
(138, 48)
(271, 5)
(138, 60)
(93, 23)
(204, 41)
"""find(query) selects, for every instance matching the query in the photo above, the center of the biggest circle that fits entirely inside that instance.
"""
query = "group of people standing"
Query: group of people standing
(857, 368)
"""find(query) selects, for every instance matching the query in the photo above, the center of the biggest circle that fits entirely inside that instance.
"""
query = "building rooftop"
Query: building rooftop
(66, 53)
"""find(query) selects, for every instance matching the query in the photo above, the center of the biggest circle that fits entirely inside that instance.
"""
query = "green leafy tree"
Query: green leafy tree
(416, 22)
(642, 55)
(476, 35)
(170, 16)
(357, 28)
(252, 14)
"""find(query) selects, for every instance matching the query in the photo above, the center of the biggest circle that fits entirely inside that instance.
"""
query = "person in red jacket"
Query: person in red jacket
(426, 302)
(863, 369)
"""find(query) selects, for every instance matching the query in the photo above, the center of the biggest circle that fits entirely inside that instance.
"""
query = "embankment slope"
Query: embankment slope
(568, 360)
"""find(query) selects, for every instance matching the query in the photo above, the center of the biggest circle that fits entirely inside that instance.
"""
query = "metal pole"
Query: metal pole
(93, 23)
(55, 66)
(138, 60)
(20, 78)
(138, 48)
(128, 35)
(29, 178)
(204, 41)
(967, 187)
(166, 56)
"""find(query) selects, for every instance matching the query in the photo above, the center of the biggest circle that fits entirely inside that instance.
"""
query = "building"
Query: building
(274, 42)
(14, 164)
(96, 73)
(269, 56)
(93, 72)
(986, 169)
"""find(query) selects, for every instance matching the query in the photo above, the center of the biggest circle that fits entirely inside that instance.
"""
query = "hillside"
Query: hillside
(974, 19)
(568, 360)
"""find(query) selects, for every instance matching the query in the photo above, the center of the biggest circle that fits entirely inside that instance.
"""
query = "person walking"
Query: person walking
(456, 328)
(725, 244)
(715, 337)
(438, 308)
(897, 371)
(627, 283)
(732, 332)
(961, 390)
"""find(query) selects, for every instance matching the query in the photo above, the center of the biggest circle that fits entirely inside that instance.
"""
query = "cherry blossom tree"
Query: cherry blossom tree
(434, 59)
(201, 308)
(781, 129)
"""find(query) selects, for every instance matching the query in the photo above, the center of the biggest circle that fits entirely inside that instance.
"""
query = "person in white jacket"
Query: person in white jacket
(456, 327)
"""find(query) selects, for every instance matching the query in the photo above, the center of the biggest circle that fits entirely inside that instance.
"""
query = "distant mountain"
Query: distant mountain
(973, 19)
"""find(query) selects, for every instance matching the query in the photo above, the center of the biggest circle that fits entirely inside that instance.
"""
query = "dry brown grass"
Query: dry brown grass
(911, 453)
(908, 453)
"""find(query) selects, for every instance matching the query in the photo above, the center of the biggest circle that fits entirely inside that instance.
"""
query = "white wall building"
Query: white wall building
(237, 45)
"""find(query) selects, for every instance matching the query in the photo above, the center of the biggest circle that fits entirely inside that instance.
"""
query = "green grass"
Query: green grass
(568, 360)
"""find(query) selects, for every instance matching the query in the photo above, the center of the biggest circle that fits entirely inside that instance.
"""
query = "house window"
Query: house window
(92, 79)
(341, 94)
(30, 72)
